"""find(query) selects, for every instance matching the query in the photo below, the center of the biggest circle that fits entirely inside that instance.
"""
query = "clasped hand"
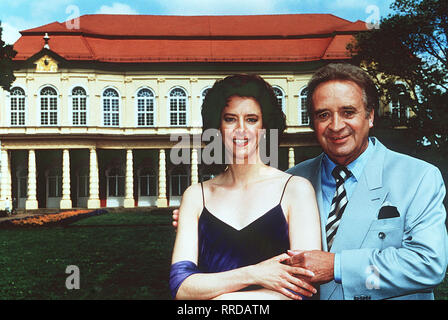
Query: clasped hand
(320, 263)
(274, 274)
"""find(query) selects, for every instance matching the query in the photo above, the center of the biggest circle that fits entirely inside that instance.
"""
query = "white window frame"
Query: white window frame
(57, 176)
(302, 108)
(119, 176)
(22, 185)
(57, 112)
(178, 185)
(177, 111)
(10, 97)
(71, 103)
(84, 186)
(147, 175)
(145, 112)
(281, 98)
(103, 113)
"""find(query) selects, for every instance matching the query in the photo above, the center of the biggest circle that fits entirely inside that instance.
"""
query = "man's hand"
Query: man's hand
(321, 263)
(175, 218)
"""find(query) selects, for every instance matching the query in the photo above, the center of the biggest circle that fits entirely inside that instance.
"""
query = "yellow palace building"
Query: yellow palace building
(88, 120)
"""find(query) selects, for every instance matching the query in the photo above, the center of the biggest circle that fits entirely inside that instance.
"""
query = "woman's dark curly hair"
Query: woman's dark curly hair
(243, 85)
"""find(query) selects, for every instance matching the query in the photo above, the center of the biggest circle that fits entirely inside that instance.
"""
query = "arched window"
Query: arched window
(111, 108)
(17, 106)
(178, 107)
(145, 108)
(204, 93)
(303, 114)
(79, 106)
(280, 97)
(48, 107)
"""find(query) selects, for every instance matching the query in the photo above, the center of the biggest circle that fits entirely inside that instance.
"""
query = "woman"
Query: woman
(234, 230)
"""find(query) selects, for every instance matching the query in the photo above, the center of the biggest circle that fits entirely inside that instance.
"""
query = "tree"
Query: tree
(411, 46)
(7, 53)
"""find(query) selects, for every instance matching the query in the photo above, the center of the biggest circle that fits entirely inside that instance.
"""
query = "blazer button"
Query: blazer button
(381, 235)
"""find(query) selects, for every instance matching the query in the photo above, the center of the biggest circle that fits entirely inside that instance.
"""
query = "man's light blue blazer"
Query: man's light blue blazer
(401, 257)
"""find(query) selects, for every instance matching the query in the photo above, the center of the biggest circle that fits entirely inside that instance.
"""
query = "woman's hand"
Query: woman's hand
(272, 274)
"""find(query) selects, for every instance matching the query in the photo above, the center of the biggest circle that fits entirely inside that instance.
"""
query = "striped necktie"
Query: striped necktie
(338, 204)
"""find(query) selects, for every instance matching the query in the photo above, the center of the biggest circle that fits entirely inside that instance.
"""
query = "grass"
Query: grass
(120, 255)
(441, 292)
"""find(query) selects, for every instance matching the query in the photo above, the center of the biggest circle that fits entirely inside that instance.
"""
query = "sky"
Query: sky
(16, 15)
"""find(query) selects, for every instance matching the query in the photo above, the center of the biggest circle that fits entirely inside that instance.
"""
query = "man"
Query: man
(382, 213)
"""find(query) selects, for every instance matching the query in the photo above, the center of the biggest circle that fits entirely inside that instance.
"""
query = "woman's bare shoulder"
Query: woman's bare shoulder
(192, 199)
(299, 185)
(193, 190)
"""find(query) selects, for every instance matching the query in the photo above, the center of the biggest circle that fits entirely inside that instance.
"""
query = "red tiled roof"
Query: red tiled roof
(147, 38)
(337, 47)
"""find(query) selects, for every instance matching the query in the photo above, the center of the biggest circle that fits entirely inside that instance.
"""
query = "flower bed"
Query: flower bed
(60, 218)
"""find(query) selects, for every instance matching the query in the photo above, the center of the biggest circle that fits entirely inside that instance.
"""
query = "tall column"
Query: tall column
(162, 201)
(66, 201)
(94, 194)
(129, 190)
(31, 200)
(5, 180)
(194, 166)
(291, 160)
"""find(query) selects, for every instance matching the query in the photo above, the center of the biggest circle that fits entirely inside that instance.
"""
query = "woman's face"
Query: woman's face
(241, 126)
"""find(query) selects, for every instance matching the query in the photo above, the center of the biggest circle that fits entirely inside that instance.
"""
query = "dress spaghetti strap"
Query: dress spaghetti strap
(284, 188)
(203, 197)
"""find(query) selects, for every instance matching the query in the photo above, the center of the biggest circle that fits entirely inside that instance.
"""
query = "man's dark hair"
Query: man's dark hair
(242, 85)
(345, 72)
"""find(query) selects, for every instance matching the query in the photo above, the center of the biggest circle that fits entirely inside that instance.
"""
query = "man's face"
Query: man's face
(340, 120)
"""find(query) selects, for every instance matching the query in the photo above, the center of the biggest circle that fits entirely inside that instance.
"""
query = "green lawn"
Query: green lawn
(120, 255)
(441, 292)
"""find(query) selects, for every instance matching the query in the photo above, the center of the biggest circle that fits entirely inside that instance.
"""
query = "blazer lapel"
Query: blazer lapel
(360, 212)
(364, 204)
